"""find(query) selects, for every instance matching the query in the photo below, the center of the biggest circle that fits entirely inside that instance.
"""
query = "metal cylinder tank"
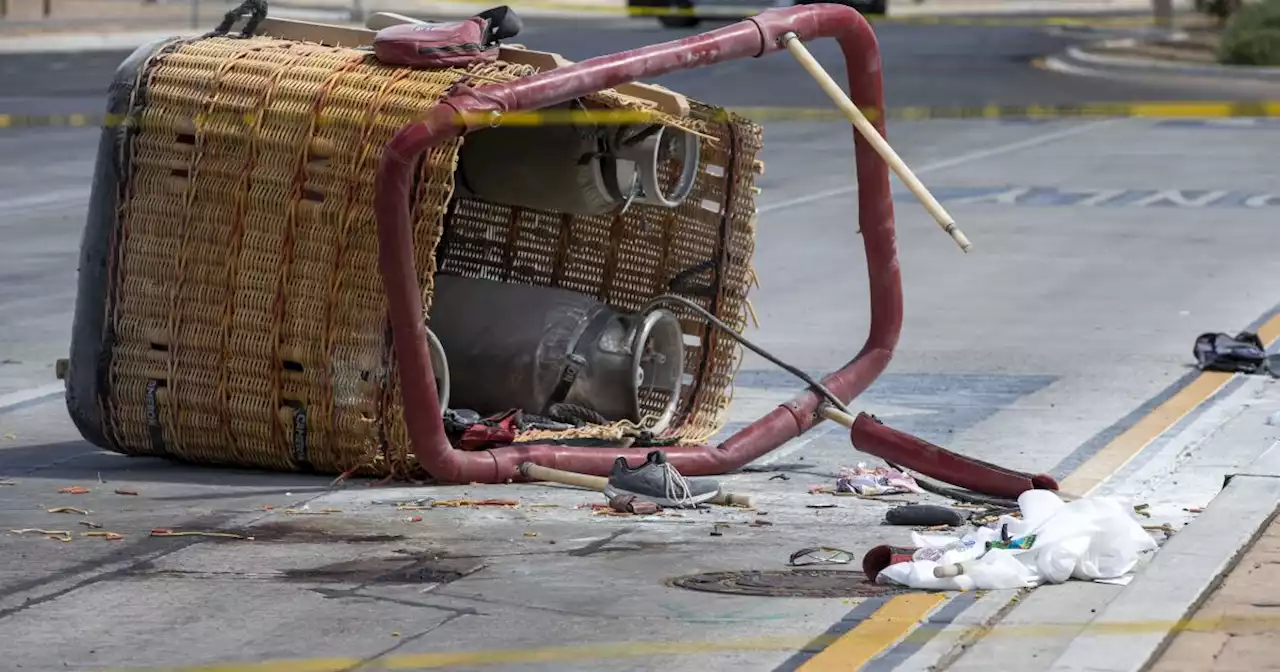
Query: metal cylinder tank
(517, 346)
(582, 169)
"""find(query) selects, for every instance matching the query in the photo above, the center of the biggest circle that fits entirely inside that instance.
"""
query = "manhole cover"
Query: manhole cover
(782, 583)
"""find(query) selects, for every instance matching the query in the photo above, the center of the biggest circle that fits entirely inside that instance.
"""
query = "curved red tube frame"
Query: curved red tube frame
(459, 114)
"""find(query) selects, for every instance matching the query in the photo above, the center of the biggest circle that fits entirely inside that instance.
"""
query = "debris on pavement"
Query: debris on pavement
(56, 535)
(1087, 539)
(5, 481)
(717, 529)
(1242, 353)
(73, 490)
(474, 503)
(69, 509)
(90, 524)
(306, 511)
(820, 506)
(530, 534)
(162, 532)
(109, 536)
(633, 504)
(413, 519)
(924, 515)
(779, 477)
(820, 555)
(875, 482)
(125, 491)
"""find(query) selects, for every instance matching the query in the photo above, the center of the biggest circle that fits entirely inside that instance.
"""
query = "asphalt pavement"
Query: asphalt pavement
(1102, 249)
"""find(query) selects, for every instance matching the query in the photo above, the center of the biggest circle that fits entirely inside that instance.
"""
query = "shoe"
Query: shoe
(658, 481)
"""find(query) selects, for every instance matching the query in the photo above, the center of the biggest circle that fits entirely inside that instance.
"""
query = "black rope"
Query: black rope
(929, 485)
(256, 10)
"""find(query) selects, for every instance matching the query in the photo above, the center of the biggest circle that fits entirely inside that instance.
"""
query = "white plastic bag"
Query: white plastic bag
(1092, 538)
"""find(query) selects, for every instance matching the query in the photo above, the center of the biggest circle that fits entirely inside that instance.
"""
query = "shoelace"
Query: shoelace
(677, 486)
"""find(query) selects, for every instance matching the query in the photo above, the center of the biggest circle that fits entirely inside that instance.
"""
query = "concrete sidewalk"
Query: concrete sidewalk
(1238, 627)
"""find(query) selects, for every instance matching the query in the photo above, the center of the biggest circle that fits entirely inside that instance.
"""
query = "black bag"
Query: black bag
(1242, 353)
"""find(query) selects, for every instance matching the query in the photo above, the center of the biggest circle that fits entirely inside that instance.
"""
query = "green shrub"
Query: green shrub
(1252, 36)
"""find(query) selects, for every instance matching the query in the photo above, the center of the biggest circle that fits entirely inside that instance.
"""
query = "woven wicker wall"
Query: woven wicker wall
(246, 317)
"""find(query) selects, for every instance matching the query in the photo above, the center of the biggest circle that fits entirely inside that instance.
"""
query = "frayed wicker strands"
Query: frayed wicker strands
(247, 318)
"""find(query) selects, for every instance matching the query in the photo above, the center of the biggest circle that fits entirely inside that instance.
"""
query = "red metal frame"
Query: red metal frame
(465, 111)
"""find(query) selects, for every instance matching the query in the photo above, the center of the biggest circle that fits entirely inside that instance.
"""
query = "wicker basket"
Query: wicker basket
(243, 320)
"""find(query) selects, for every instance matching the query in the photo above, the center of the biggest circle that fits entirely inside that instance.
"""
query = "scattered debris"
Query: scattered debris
(530, 534)
(473, 503)
(10, 436)
(1194, 509)
(395, 634)
(5, 481)
(1242, 353)
(109, 536)
(820, 506)
(761, 523)
(875, 482)
(123, 491)
(69, 509)
(56, 535)
(924, 515)
(268, 507)
(306, 511)
(161, 532)
(91, 525)
(779, 477)
(633, 504)
(73, 490)
(820, 555)
(1090, 538)
(413, 519)
(1166, 528)
(717, 530)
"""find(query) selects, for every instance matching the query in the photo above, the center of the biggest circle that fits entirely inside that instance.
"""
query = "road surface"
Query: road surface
(1102, 249)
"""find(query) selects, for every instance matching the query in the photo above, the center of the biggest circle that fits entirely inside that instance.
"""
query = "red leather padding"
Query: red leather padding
(435, 45)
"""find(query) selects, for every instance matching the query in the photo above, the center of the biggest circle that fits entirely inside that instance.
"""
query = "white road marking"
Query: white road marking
(31, 394)
(949, 163)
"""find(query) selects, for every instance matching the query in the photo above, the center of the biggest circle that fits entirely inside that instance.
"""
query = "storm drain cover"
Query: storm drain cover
(784, 583)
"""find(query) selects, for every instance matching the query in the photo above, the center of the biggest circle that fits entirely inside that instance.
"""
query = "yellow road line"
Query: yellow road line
(886, 627)
(1122, 449)
(605, 651)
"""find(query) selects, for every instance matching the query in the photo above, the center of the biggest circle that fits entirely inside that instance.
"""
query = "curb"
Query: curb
(1139, 63)
(1181, 577)
(1067, 63)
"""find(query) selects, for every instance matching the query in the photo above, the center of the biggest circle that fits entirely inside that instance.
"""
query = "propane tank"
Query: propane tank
(516, 346)
(580, 169)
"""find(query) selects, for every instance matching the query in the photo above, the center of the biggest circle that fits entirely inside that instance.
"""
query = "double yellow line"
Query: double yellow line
(1144, 109)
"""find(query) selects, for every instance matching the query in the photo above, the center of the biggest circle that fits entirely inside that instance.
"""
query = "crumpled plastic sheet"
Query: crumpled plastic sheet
(878, 481)
(1089, 539)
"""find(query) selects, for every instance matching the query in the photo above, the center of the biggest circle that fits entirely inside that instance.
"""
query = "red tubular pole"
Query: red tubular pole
(465, 110)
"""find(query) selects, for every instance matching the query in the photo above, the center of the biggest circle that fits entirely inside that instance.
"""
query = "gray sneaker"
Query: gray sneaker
(658, 481)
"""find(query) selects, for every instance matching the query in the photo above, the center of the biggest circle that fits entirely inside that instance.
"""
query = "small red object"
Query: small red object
(74, 490)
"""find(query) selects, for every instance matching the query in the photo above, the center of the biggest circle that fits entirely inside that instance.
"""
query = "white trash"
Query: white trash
(1087, 539)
